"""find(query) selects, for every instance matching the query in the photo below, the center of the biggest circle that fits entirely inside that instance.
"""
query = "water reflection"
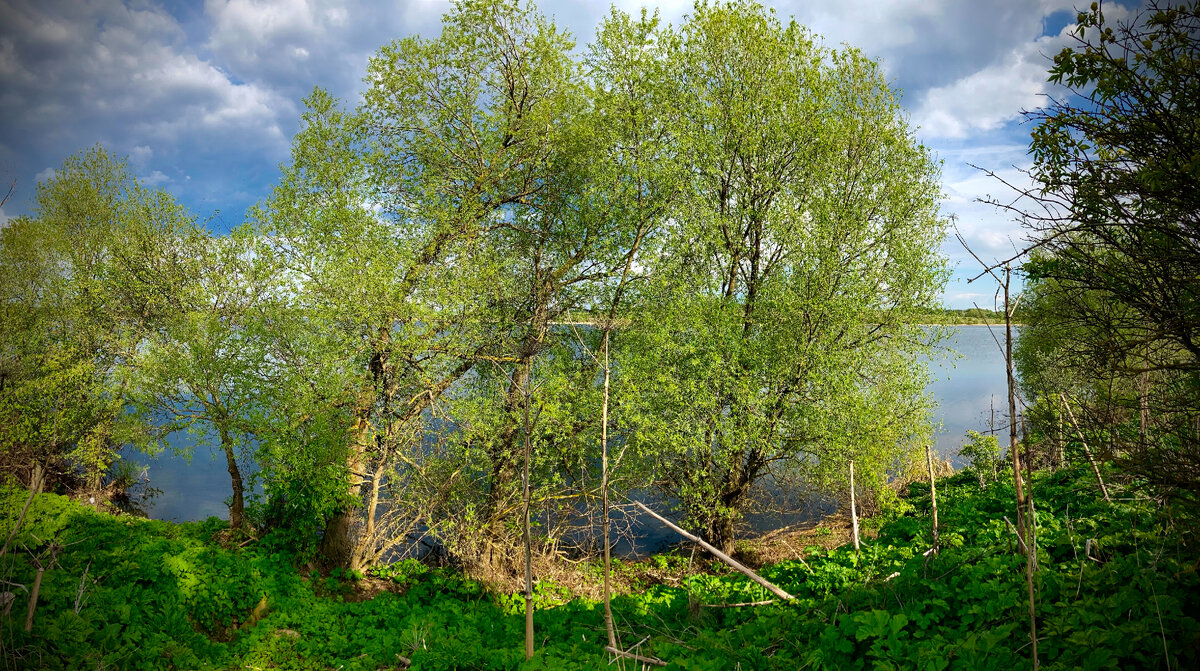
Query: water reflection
(964, 388)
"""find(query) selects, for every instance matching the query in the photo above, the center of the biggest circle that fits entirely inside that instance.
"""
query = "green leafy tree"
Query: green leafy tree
(779, 334)
(202, 369)
(379, 223)
(86, 277)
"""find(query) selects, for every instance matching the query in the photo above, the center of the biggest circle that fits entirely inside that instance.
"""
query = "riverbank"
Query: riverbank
(1116, 589)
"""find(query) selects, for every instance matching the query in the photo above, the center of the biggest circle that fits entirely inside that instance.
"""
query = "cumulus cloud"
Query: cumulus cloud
(993, 96)
(290, 46)
(929, 43)
(77, 73)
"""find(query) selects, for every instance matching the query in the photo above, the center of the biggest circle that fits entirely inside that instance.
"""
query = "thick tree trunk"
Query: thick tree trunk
(721, 533)
(237, 503)
(337, 543)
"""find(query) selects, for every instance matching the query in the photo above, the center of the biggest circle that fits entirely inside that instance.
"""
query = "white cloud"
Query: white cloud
(141, 154)
(45, 175)
(156, 178)
(991, 97)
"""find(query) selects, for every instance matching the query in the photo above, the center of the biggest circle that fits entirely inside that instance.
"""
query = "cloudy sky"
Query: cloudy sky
(204, 96)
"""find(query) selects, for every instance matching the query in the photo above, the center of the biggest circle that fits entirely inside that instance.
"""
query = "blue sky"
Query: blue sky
(203, 97)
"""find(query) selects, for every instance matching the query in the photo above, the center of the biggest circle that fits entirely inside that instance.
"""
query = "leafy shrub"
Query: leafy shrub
(982, 455)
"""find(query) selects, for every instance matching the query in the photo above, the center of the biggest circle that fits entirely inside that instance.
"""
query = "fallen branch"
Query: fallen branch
(717, 553)
(739, 605)
(634, 656)
(1086, 452)
(1013, 529)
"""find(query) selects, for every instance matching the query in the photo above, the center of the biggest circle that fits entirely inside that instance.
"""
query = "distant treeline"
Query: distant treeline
(967, 316)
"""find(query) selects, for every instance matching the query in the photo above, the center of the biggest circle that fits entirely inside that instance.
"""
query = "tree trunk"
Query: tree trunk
(721, 533)
(237, 503)
(505, 469)
(337, 545)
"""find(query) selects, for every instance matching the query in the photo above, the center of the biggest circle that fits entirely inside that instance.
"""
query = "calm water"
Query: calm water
(965, 386)
(965, 383)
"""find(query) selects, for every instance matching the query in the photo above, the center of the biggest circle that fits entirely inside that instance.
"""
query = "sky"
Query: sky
(203, 97)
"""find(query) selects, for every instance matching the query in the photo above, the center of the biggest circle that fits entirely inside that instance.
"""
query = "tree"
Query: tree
(1114, 219)
(379, 224)
(779, 333)
(86, 277)
(202, 368)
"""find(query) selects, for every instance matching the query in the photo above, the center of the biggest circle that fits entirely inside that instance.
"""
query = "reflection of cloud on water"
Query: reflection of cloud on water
(964, 388)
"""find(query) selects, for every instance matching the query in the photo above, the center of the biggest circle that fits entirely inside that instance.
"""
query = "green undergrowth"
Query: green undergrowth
(1116, 589)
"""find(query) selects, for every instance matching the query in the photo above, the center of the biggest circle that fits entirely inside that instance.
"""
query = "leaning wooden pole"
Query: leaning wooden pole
(853, 509)
(733, 563)
(1013, 448)
(1022, 505)
(608, 616)
(528, 540)
(1086, 451)
(932, 494)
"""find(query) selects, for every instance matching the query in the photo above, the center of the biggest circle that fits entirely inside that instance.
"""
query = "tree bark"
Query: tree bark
(237, 503)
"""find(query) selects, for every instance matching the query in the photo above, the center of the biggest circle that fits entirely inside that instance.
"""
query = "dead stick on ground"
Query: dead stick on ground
(1086, 452)
(739, 605)
(717, 553)
(647, 660)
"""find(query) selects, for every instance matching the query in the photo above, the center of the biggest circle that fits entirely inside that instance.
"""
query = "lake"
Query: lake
(965, 388)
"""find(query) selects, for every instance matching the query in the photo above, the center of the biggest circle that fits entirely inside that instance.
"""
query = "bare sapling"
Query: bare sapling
(1023, 506)
(528, 541)
(853, 510)
(932, 494)
(608, 617)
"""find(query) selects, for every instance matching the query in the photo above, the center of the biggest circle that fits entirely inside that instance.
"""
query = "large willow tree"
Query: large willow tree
(779, 331)
(386, 227)
(744, 211)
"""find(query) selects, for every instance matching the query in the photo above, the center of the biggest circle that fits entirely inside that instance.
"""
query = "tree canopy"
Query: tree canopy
(411, 324)
(1114, 274)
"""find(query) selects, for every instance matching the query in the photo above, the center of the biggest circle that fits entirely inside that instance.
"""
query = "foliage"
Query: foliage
(1113, 306)
(84, 278)
(983, 457)
(763, 341)
(1114, 587)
